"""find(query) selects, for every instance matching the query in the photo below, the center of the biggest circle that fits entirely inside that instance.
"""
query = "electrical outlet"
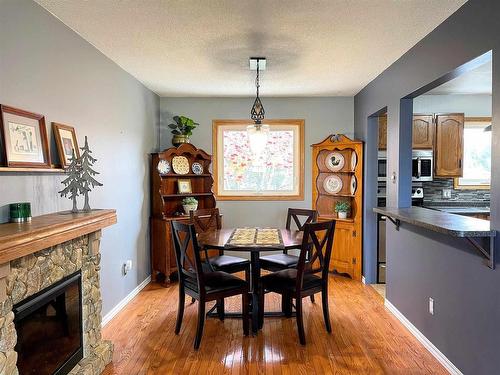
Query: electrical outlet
(446, 193)
(431, 306)
(127, 266)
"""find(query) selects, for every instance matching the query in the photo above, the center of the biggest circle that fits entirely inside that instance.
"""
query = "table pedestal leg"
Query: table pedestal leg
(255, 276)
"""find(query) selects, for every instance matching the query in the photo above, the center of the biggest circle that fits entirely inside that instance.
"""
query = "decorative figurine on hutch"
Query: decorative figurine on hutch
(80, 180)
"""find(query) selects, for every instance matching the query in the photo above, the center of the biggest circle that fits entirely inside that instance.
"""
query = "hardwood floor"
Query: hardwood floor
(366, 339)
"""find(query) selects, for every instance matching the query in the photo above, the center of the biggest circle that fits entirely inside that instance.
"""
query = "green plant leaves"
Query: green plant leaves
(183, 125)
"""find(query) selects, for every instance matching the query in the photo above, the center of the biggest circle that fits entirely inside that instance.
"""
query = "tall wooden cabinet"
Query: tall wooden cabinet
(347, 252)
(166, 203)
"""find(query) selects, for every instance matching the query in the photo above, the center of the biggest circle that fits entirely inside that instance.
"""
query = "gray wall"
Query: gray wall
(420, 263)
(323, 116)
(47, 68)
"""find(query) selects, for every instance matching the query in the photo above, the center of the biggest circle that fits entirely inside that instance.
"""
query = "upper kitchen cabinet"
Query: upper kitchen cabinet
(449, 150)
(423, 132)
(382, 132)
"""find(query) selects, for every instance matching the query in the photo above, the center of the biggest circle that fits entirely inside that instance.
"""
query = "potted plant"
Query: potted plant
(182, 129)
(342, 208)
(189, 204)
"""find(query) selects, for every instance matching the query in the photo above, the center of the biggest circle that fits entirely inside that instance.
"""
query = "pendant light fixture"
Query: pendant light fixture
(258, 132)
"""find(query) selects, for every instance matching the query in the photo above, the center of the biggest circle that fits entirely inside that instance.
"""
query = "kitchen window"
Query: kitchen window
(477, 155)
(267, 166)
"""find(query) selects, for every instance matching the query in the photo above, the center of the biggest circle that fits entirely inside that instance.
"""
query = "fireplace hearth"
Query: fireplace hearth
(50, 295)
(49, 328)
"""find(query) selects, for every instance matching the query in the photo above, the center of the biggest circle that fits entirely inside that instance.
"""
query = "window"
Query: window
(274, 171)
(477, 155)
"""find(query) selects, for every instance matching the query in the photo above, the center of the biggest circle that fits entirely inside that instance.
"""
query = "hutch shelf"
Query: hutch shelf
(335, 180)
(166, 204)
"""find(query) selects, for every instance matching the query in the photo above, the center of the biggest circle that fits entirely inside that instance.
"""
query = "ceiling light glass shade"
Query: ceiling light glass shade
(257, 138)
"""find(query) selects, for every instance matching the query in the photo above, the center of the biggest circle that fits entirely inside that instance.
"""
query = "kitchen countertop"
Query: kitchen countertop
(469, 210)
(439, 221)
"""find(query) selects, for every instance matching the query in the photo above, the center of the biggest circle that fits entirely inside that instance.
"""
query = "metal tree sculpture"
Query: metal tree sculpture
(72, 183)
(87, 180)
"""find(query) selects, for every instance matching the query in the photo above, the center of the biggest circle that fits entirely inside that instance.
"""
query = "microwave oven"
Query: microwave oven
(422, 165)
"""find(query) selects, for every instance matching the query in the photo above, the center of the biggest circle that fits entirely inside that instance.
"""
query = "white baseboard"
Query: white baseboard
(447, 364)
(107, 318)
(363, 280)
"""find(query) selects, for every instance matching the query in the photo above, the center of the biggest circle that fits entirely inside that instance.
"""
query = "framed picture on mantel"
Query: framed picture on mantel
(66, 142)
(24, 138)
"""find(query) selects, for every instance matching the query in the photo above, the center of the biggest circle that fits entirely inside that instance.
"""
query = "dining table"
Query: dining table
(218, 240)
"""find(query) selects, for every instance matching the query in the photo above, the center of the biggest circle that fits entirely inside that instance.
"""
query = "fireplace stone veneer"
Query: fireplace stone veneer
(29, 274)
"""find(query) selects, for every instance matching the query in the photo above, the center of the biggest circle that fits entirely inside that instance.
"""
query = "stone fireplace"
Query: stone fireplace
(32, 272)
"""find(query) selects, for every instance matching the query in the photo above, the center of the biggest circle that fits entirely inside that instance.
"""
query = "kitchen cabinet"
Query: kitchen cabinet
(449, 147)
(382, 132)
(423, 132)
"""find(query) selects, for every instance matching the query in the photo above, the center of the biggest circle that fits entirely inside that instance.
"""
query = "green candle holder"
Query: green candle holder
(20, 212)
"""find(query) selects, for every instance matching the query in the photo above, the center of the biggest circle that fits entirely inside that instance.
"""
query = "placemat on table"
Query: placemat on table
(255, 237)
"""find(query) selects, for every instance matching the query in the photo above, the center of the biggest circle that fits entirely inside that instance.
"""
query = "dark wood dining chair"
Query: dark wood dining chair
(210, 219)
(200, 285)
(308, 278)
(277, 262)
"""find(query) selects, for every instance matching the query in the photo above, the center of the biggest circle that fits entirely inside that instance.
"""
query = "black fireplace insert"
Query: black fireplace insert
(49, 328)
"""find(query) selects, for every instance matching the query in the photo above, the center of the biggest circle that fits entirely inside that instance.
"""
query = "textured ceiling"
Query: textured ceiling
(201, 48)
(476, 81)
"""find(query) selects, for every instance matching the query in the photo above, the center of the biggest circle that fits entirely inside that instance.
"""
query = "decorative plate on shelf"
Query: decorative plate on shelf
(354, 184)
(197, 168)
(163, 167)
(335, 161)
(354, 160)
(333, 184)
(180, 164)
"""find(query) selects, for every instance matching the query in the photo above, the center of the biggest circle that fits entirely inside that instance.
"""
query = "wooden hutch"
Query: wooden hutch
(166, 203)
(337, 175)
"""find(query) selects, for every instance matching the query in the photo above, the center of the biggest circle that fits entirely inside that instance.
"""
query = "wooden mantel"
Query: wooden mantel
(18, 240)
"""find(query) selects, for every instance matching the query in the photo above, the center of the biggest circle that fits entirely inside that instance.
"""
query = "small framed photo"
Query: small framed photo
(184, 186)
(24, 138)
(66, 142)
